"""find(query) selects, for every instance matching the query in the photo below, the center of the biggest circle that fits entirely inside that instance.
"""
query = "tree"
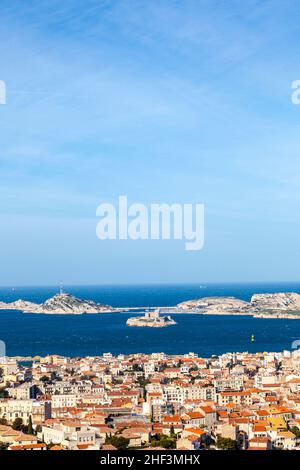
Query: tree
(30, 428)
(225, 443)
(295, 430)
(44, 378)
(206, 440)
(120, 442)
(17, 424)
(3, 446)
(164, 441)
(3, 422)
(3, 393)
(142, 382)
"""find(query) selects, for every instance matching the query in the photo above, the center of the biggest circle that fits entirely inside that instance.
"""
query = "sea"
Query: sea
(93, 335)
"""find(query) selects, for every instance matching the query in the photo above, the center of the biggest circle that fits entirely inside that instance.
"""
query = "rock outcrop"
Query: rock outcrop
(280, 305)
(18, 305)
(59, 304)
(217, 305)
(282, 301)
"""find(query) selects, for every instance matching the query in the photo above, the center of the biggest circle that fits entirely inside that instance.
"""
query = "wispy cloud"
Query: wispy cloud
(171, 100)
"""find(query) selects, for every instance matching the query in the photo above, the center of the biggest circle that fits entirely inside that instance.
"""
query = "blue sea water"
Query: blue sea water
(71, 335)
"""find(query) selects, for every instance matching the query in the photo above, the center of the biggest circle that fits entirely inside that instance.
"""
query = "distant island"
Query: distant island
(152, 320)
(61, 303)
(278, 305)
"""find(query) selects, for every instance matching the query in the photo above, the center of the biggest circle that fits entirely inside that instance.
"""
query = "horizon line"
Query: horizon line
(182, 283)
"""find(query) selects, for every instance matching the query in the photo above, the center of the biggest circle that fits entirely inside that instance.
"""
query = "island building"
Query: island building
(151, 319)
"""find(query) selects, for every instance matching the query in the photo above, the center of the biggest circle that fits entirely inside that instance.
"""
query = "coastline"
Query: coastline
(38, 357)
(264, 305)
(175, 311)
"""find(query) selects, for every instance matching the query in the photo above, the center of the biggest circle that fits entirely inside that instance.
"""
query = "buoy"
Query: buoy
(252, 338)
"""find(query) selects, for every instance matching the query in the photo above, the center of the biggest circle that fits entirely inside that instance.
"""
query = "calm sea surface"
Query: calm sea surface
(30, 334)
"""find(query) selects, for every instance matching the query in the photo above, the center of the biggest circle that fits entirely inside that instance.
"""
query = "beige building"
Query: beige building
(236, 398)
(63, 401)
(69, 434)
(12, 409)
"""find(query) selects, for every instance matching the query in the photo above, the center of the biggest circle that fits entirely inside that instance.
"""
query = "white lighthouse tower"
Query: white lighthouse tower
(61, 288)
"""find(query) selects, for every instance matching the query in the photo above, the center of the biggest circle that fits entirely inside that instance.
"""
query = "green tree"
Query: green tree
(161, 440)
(225, 443)
(172, 431)
(3, 422)
(120, 442)
(30, 428)
(3, 393)
(295, 430)
(44, 378)
(142, 382)
(17, 424)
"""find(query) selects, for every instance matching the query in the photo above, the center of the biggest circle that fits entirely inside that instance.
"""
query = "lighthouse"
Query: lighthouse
(61, 288)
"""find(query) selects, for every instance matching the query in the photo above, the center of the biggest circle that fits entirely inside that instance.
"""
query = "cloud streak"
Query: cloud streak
(172, 101)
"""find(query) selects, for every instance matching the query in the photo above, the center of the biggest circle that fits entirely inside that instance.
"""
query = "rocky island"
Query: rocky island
(278, 305)
(215, 306)
(152, 320)
(61, 303)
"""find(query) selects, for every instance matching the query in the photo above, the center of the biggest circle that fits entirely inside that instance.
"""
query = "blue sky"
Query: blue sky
(164, 101)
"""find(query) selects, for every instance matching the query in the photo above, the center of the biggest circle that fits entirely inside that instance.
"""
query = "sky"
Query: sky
(170, 101)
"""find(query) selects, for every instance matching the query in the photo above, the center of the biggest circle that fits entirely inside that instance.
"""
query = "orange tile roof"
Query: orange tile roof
(198, 432)
(172, 419)
(260, 439)
(208, 409)
(196, 415)
(27, 446)
(259, 428)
